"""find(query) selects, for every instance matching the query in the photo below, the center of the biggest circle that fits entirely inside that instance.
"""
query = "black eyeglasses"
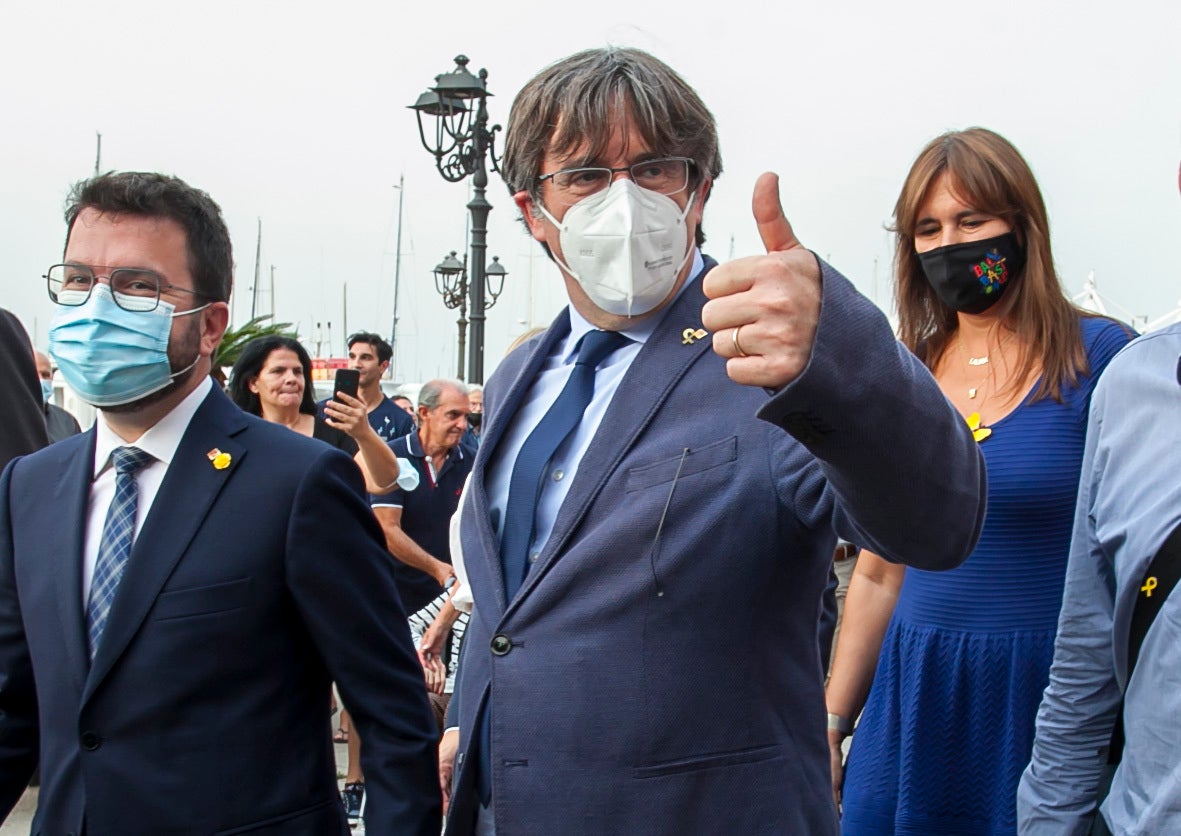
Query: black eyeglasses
(132, 288)
(667, 176)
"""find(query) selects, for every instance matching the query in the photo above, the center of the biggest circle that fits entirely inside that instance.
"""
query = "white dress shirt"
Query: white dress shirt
(161, 441)
(548, 384)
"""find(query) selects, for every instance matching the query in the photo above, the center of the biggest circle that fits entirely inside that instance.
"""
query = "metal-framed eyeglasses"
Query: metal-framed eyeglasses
(133, 288)
(666, 176)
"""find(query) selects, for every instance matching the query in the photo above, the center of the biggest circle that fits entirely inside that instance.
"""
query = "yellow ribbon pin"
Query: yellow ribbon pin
(978, 432)
(691, 335)
(220, 460)
(1149, 585)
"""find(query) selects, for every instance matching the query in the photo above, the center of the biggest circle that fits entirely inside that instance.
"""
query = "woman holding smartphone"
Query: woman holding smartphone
(273, 380)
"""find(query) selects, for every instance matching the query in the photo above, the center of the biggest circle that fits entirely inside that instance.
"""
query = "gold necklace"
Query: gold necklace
(973, 391)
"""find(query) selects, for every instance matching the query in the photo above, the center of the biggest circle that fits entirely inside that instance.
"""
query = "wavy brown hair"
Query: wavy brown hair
(987, 173)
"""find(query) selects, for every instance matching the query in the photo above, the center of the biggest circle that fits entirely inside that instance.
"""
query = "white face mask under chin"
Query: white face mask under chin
(625, 246)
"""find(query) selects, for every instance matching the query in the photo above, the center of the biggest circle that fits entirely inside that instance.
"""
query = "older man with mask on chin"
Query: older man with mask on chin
(650, 523)
(169, 624)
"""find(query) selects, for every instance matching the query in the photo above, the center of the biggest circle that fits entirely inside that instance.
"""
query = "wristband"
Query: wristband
(842, 724)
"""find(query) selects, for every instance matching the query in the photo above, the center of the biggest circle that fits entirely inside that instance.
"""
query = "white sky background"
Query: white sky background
(296, 113)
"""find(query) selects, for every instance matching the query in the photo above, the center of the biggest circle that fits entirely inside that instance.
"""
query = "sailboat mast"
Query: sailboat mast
(397, 268)
(254, 287)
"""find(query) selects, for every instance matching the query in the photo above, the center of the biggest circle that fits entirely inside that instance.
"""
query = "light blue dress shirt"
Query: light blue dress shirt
(1129, 501)
(552, 376)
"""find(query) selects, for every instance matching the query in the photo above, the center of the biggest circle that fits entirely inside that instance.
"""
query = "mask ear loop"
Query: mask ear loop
(554, 255)
(174, 375)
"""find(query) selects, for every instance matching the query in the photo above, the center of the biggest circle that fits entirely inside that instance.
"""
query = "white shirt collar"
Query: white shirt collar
(641, 331)
(161, 440)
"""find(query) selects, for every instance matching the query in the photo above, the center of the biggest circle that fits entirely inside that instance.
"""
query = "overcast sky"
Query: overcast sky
(295, 113)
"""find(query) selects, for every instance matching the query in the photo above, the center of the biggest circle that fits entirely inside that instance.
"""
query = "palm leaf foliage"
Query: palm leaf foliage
(235, 340)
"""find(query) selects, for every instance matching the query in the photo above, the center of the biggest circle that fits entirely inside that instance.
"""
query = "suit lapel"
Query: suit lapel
(72, 497)
(178, 512)
(503, 414)
(661, 363)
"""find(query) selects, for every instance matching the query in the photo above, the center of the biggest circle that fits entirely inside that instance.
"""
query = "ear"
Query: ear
(533, 219)
(252, 385)
(214, 321)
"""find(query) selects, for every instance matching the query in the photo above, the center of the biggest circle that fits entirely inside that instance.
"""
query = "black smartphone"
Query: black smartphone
(347, 381)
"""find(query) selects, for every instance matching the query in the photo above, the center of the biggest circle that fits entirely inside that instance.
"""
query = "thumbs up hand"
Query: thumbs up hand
(763, 309)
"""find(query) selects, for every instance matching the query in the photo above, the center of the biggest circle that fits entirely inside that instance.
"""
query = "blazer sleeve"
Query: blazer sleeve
(908, 479)
(24, 422)
(341, 579)
(18, 697)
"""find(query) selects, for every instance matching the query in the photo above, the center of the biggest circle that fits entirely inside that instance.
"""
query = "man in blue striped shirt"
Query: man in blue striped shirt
(1129, 503)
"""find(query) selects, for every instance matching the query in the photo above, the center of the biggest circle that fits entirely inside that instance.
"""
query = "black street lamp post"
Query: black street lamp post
(460, 143)
(451, 281)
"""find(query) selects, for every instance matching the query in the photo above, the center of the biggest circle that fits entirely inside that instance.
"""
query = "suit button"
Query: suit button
(501, 644)
(91, 741)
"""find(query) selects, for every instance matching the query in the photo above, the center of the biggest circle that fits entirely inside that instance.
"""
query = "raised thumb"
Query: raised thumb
(774, 228)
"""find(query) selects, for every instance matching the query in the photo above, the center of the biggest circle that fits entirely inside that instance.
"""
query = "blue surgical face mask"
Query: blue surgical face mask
(111, 356)
(46, 390)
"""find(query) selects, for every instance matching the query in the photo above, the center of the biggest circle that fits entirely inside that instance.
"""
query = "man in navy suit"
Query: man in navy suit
(650, 524)
(180, 584)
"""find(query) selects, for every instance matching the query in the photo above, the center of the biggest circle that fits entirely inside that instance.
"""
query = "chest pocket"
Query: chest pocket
(202, 600)
(695, 461)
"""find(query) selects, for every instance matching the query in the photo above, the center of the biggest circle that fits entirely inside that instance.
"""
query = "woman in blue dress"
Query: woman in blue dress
(962, 657)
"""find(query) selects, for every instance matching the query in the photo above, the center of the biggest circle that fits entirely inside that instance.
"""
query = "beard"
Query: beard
(184, 354)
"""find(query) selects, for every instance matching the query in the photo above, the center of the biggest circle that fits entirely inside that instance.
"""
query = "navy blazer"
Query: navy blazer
(660, 679)
(248, 591)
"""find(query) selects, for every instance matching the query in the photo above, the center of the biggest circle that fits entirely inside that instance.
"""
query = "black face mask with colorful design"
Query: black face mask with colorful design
(972, 276)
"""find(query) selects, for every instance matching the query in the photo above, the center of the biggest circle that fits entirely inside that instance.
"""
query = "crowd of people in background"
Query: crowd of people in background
(608, 603)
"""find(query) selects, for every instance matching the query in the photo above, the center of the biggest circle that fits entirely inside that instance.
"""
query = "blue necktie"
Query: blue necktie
(524, 489)
(525, 484)
(115, 546)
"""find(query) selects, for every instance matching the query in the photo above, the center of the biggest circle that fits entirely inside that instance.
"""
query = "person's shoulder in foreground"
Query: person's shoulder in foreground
(1129, 505)
(24, 423)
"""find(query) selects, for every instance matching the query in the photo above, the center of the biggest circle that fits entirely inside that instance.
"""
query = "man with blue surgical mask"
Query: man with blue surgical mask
(165, 605)
(650, 523)
(58, 422)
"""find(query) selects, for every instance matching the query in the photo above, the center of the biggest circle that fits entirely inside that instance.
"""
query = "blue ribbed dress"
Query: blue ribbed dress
(948, 726)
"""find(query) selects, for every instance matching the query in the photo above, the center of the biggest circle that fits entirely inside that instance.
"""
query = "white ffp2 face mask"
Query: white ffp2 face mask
(625, 246)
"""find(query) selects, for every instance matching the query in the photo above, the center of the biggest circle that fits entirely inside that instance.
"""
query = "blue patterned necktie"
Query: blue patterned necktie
(539, 448)
(115, 546)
